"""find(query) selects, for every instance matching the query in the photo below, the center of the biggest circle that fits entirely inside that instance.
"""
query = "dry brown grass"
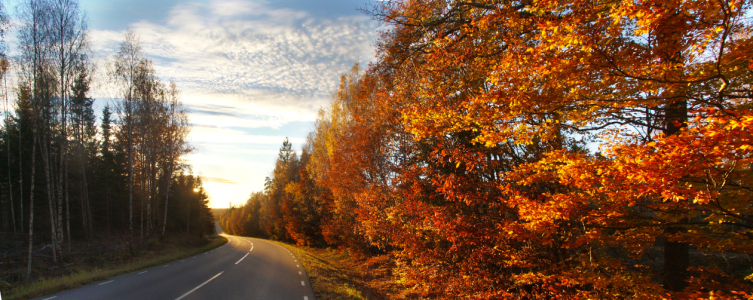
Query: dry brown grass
(338, 274)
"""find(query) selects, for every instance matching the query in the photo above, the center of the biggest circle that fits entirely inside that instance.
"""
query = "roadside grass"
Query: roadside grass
(338, 274)
(46, 286)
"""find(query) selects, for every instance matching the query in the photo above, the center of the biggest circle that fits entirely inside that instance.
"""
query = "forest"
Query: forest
(535, 149)
(68, 179)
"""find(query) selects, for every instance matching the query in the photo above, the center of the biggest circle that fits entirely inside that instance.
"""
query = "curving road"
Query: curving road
(244, 268)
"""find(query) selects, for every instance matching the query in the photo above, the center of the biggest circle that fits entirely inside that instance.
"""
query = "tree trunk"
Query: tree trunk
(141, 207)
(107, 196)
(153, 196)
(85, 187)
(141, 210)
(62, 164)
(676, 254)
(144, 191)
(67, 209)
(31, 200)
(50, 201)
(20, 173)
(84, 219)
(188, 216)
(167, 188)
(130, 178)
(167, 195)
(89, 209)
(10, 186)
(10, 183)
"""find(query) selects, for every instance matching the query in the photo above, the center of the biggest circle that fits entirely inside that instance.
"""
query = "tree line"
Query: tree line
(64, 175)
(525, 149)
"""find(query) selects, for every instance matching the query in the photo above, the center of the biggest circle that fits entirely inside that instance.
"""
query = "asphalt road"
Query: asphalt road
(244, 268)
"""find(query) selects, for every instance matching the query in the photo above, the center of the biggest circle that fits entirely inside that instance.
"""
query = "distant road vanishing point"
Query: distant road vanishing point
(244, 268)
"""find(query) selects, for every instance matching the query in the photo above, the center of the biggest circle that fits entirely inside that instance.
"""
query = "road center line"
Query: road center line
(302, 283)
(241, 259)
(143, 272)
(106, 282)
(165, 266)
(305, 298)
(50, 298)
(196, 288)
(299, 273)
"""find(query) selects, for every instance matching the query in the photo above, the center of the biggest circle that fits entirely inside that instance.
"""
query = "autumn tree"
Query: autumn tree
(512, 90)
(246, 220)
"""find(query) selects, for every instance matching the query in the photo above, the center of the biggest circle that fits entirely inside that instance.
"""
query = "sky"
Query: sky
(251, 73)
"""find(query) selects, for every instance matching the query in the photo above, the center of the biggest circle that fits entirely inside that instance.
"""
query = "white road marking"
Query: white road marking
(305, 298)
(182, 260)
(165, 266)
(50, 298)
(196, 288)
(241, 259)
(297, 266)
(302, 283)
(106, 282)
(299, 273)
(143, 272)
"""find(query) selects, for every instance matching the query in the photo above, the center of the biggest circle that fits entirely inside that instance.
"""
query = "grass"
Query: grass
(48, 286)
(339, 274)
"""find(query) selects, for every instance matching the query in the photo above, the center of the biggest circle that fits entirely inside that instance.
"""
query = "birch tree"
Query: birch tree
(68, 31)
(123, 73)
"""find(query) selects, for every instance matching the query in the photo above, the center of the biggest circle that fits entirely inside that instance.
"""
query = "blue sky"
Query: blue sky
(251, 72)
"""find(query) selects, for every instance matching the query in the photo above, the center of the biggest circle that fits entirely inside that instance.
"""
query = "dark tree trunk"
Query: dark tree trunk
(31, 204)
(10, 183)
(676, 254)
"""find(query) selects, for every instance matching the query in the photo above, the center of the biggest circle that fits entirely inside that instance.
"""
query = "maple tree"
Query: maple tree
(526, 80)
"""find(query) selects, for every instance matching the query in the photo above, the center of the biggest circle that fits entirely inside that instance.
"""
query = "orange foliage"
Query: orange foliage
(506, 101)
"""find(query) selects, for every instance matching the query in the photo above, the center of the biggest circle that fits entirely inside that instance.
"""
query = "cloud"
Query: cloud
(217, 180)
(221, 136)
(233, 110)
(280, 62)
(200, 160)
